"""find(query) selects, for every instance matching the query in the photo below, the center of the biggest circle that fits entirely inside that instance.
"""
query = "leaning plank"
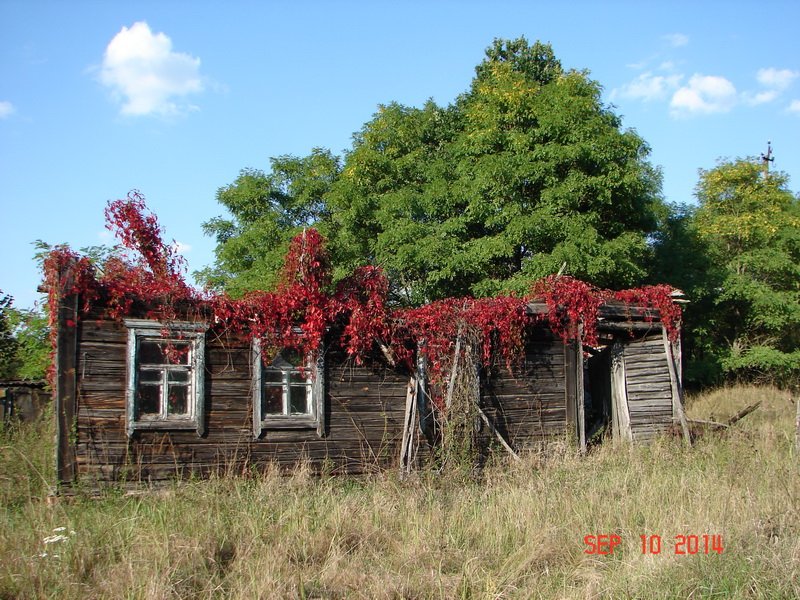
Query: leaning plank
(619, 395)
(453, 371)
(743, 413)
(497, 434)
(677, 392)
(408, 426)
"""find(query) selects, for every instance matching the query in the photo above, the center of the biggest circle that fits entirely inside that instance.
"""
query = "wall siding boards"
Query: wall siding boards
(648, 385)
(363, 417)
(530, 404)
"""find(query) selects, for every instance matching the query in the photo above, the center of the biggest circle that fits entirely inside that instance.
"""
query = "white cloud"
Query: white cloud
(776, 79)
(705, 94)
(648, 87)
(181, 248)
(676, 40)
(141, 69)
(795, 106)
(6, 109)
(761, 97)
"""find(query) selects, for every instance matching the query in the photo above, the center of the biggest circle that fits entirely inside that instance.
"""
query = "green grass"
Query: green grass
(516, 533)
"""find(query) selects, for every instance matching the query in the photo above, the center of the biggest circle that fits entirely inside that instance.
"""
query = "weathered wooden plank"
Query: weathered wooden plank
(66, 359)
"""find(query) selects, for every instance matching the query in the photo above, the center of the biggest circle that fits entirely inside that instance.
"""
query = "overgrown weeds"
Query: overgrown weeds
(517, 533)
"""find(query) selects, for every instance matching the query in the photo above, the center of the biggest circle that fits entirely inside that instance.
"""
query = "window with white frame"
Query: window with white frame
(165, 375)
(288, 391)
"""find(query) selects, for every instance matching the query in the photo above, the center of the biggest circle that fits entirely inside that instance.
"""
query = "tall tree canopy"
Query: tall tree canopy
(266, 210)
(525, 171)
(24, 343)
(8, 343)
(750, 223)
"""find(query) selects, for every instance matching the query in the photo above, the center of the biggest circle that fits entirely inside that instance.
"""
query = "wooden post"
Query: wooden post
(580, 392)
(66, 356)
(571, 390)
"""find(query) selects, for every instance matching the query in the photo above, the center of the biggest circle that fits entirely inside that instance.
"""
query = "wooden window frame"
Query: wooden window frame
(316, 381)
(180, 332)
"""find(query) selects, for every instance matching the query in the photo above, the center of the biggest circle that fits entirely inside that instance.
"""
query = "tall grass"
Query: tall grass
(518, 532)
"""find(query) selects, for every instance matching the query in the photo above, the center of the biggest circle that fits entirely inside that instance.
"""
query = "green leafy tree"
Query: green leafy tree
(8, 343)
(265, 211)
(749, 222)
(683, 260)
(526, 171)
(31, 332)
(24, 343)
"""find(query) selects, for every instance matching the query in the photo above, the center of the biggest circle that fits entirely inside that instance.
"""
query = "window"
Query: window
(165, 375)
(288, 392)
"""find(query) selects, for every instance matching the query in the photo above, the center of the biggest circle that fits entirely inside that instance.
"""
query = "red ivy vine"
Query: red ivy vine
(150, 275)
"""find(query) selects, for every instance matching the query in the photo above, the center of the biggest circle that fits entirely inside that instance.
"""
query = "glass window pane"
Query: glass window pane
(178, 376)
(149, 376)
(150, 353)
(298, 400)
(273, 376)
(148, 399)
(272, 400)
(161, 352)
(178, 401)
(298, 378)
(176, 353)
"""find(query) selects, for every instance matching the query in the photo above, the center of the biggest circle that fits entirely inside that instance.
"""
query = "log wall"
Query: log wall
(363, 417)
(534, 402)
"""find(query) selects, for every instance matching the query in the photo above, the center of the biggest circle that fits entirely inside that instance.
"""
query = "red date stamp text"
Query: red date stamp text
(679, 545)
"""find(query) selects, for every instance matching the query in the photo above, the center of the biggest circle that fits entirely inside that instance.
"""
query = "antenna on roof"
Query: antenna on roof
(767, 158)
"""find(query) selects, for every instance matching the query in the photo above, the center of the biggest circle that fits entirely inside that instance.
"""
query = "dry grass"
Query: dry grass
(518, 533)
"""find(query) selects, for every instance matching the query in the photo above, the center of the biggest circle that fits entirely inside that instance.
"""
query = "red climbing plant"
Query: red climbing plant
(659, 297)
(570, 303)
(149, 276)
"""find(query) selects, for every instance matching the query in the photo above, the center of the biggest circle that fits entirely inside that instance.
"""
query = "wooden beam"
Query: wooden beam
(626, 326)
(571, 390)
(579, 390)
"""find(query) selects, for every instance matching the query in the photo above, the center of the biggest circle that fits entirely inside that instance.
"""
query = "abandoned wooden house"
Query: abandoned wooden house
(143, 400)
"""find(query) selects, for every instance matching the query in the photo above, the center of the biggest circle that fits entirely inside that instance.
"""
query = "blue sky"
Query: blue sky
(175, 98)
